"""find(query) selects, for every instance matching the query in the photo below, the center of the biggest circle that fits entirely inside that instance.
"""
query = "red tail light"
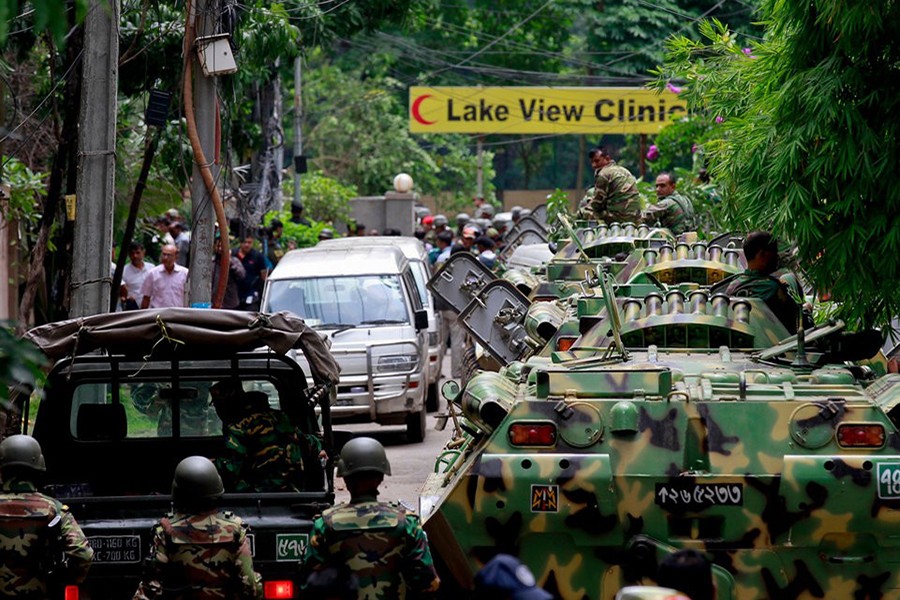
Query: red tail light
(278, 589)
(532, 434)
(71, 592)
(861, 435)
(564, 343)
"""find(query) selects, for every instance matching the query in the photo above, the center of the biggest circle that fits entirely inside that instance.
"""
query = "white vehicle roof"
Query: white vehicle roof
(412, 248)
(532, 255)
(336, 261)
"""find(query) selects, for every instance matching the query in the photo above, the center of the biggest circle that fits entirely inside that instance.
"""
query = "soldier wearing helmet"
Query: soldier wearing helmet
(42, 548)
(440, 223)
(462, 219)
(326, 234)
(199, 551)
(382, 544)
(485, 212)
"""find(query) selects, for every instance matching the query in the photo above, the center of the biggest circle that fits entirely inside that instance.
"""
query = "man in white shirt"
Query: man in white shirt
(164, 285)
(133, 277)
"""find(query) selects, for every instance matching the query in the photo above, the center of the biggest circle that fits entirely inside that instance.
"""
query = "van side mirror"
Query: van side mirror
(421, 319)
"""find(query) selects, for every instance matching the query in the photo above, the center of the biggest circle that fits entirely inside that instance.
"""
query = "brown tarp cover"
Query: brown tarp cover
(191, 332)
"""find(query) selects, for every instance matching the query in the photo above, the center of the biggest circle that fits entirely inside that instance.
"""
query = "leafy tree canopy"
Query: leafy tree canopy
(804, 142)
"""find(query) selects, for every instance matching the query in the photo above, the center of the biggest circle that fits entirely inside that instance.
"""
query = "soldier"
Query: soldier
(263, 450)
(616, 197)
(381, 543)
(199, 552)
(672, 209)
(761, 252)
(42, 548)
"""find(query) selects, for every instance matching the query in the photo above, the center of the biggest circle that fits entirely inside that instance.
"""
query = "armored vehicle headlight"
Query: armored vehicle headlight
(860, 435)
(398, 363)
(531, 433)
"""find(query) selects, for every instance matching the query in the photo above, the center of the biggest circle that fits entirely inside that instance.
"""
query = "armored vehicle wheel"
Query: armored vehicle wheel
(415, 426)
(433, 398)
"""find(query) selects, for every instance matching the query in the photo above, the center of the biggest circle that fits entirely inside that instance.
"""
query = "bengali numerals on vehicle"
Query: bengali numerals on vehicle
(688, 495)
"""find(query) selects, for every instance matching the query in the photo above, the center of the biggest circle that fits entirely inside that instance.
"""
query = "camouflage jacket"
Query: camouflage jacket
(616, 197)
(200, 557)
(753, 284)
(263, 453)
(674, 212)
(35, 557)
(381, 543)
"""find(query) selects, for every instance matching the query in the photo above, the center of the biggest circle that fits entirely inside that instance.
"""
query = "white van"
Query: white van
(366, 301)
(415, 253)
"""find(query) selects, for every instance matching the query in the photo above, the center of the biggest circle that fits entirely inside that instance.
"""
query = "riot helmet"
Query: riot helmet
(363, 455)
(440, 221)
(21, 451)
(196, 481)
(462, 219)
(486, 211)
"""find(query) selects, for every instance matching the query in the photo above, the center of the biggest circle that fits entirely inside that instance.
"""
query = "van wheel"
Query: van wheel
(415, 427)
(432, 398)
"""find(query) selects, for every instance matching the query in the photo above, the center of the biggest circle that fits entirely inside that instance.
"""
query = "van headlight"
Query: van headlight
(398, 363)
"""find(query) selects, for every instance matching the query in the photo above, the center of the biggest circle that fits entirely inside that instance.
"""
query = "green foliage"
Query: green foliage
(20, 361)
(296, 235)
(27, 191)
(48, 15)
(558, 204)
(806, 144)
(324, 199)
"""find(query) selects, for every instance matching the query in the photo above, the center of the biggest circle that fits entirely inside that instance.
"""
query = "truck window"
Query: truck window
(335, 301)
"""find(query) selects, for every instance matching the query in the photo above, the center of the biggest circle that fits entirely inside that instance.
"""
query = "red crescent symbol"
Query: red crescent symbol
(415, 110)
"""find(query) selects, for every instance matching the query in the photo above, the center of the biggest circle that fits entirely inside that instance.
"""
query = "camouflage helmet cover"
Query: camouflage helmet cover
(361, 455)
(21, 451)
(196, 479)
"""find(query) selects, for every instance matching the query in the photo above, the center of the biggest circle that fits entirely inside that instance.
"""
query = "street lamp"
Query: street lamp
(403, 183)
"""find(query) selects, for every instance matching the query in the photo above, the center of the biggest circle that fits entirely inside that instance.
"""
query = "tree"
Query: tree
(806, 138)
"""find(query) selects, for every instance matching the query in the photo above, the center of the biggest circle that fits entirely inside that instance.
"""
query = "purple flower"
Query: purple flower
(747, 51)
(694, 148)
(720, 119)
(652, 153)
(673, 88)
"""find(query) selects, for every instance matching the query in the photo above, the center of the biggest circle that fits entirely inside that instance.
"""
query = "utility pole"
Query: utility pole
(95, 186)
(204, 13)
(298, 127)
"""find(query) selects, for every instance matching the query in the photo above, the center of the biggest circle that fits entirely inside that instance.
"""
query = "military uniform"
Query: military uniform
(264, 453)
(201, 557)
(674, 212)
(35, 555)
(616, 197)
(382, 544)
(753, 284)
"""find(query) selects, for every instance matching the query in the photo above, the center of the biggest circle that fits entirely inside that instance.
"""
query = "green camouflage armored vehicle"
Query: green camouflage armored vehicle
(678, 418)
(128, 397)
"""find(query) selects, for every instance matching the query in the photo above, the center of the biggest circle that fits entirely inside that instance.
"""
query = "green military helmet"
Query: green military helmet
(196, 480)
(440, 220)
(486, 211)
(21, 451)
(462, 219)
(361, 455)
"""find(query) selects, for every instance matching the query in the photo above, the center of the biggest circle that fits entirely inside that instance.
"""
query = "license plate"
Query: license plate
(687, 495)
(116, 548)
(889, 481)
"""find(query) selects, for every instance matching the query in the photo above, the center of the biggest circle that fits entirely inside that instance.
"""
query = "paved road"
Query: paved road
(410, 463)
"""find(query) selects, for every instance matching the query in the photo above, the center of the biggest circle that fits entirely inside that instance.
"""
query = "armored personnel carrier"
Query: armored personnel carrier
(679, 417)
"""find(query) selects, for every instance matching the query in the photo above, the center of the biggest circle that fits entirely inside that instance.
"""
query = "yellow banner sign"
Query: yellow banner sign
(534, 110)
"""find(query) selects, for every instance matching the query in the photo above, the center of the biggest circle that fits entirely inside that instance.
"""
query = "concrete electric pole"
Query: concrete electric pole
(96, 182)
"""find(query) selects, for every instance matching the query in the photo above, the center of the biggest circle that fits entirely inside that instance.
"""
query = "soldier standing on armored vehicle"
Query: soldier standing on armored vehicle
(672, 210)
(199, 552)
(761, 252)
(616, 197)
(41, 545)
(382, 544)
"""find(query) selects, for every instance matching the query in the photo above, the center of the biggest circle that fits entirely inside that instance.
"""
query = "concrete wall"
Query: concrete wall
(524, 198)
(392, 210)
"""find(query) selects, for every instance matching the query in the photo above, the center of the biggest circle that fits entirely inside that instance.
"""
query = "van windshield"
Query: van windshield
(341, 301)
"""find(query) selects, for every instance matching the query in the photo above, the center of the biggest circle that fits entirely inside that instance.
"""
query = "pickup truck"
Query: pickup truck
(127, 398)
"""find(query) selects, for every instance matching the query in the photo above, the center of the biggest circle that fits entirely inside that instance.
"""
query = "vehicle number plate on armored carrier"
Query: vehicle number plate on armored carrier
(688, 495)
(889, 481)
(116, 548)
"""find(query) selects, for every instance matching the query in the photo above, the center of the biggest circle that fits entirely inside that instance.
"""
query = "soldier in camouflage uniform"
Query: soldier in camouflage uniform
(672, 210)
(761, 252)
(616, 197)
(42, 548)
(199, 552)
(263, 450)
(381, 543)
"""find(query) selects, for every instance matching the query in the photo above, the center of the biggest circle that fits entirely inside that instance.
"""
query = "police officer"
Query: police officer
(199, 552)
(382, 544)
(42, 548)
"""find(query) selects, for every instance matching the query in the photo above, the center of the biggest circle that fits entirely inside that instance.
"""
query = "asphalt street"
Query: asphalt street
(410, 463)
